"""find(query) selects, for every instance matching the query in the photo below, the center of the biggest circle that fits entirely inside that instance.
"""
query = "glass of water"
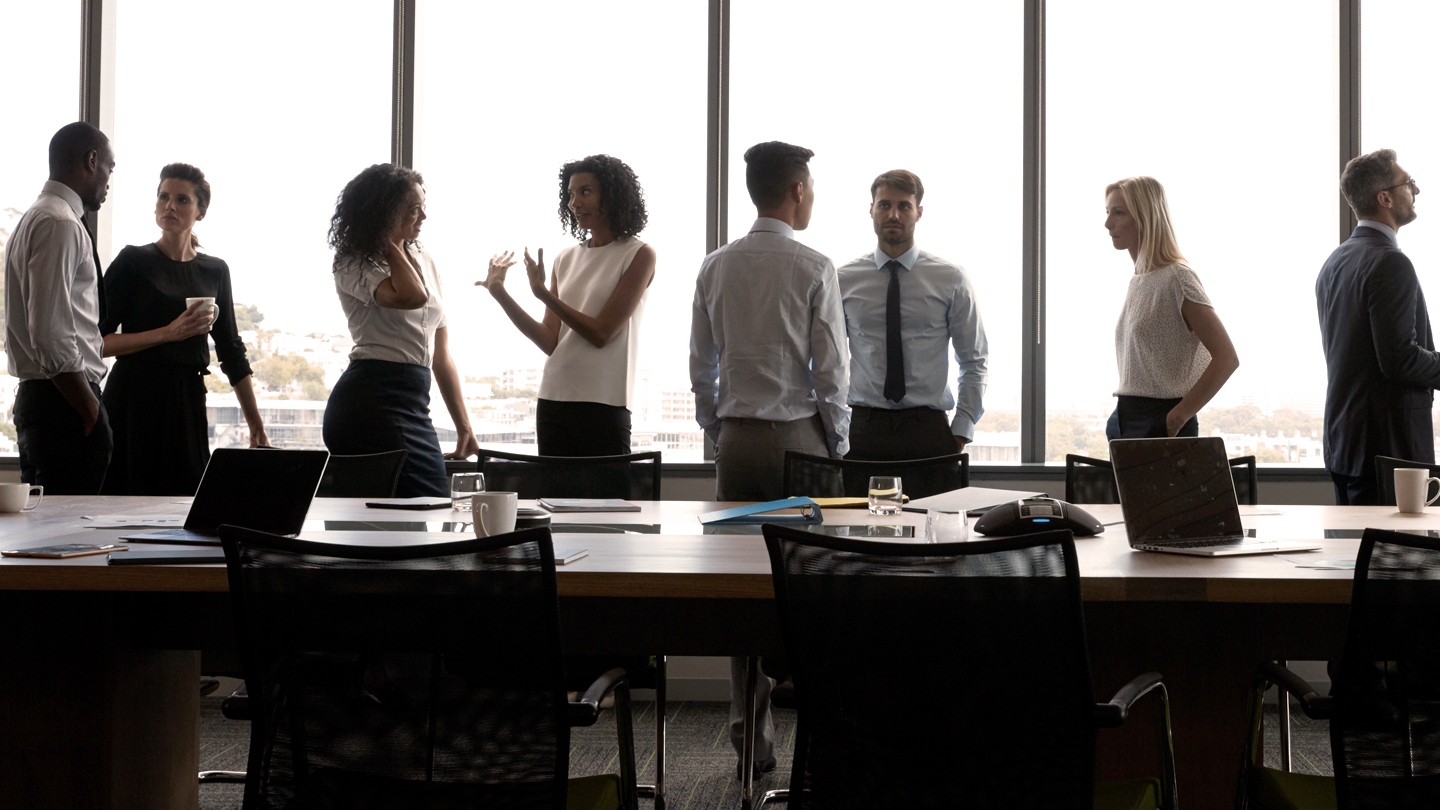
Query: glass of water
(946, 527)
(885, 495)
(462, 486)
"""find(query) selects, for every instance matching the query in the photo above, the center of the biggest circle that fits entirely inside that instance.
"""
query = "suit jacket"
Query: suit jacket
(1379, 354)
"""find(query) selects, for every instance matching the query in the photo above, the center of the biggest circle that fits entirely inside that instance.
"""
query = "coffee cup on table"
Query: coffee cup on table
(208, 301)
(1412, 489)
(493, 513)
(16, 497)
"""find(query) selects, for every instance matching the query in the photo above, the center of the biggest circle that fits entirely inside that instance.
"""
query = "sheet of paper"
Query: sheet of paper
(1321, 565)
(134, 521)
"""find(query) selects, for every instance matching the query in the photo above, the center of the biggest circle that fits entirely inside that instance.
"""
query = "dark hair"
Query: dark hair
(369, 208)
(621, 198)
(771, 168)
(196, 178)
(902, 181)
(1364, 177)
(72, 143)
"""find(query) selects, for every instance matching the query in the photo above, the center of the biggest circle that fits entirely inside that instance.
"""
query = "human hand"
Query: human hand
(465, 445)
(258, 438)
(535, 269)
(960, 442)
(195, 320)
(495, 278)
(1174, 420)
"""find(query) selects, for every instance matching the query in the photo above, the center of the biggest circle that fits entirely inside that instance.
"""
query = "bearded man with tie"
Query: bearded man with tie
(902, 305)
(53, 306)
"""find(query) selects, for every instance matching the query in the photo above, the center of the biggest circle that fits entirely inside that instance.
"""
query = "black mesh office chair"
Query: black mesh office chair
(635, 477)
(369, 476)
(822, 477)
(411, 676)
(998, 709)
(1092, 480)
(1385, 468)
(1384, 705)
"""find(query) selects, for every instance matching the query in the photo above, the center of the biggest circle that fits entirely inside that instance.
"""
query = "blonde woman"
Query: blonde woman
(1173, 352)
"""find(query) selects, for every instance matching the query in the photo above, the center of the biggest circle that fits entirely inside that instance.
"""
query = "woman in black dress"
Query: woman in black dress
(155, 394)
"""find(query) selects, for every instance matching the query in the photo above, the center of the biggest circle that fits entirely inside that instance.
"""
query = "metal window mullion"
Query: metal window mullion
(717, 139)
(402, 111)
(1032, 330)
(1348, 42)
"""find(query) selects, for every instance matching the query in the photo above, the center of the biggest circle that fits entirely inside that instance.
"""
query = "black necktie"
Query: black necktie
(95, 254)
(894, 351)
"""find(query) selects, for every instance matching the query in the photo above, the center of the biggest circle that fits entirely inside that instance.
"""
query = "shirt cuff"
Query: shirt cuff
(962, 426)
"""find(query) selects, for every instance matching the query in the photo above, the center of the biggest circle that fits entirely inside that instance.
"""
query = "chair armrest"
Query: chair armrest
(1315, 705)
(237, 705)
(1113, 714)
(586, 710)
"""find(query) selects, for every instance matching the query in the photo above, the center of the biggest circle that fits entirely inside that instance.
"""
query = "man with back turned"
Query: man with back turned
(1379, 351)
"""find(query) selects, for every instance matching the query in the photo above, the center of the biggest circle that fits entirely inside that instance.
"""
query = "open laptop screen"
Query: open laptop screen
(1175, 489)
(267, 490)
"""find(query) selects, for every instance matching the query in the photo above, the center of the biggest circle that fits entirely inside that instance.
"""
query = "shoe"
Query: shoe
(761, 768)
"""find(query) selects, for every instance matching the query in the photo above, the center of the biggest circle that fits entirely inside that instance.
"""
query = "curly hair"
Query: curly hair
(621, 198)
(369, 208)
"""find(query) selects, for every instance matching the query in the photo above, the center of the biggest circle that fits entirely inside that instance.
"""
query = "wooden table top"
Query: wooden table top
(663, 551)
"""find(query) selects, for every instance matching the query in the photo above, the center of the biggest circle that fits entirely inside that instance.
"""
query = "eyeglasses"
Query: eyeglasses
(1414, 186)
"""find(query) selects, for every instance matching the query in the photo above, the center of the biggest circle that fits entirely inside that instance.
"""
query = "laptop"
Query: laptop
(264, 489)
(1178, 497)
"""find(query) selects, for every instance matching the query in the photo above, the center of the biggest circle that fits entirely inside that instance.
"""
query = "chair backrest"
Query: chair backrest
(997, 709)
(1089, 480)
(635, 476)
(404, 676)
(1385, 468)
(822, 477)
(1385, 732)
(1092, 480)
(369, 476)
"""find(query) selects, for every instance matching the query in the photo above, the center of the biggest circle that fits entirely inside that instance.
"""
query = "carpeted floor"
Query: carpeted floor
(701, 766)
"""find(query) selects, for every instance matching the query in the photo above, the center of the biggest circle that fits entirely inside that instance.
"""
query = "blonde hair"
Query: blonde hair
(1145, 198)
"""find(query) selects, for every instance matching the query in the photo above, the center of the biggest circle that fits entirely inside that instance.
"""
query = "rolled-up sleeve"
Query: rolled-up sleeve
(58, 248)
(358, 279)
(704, 364)
(831, 369)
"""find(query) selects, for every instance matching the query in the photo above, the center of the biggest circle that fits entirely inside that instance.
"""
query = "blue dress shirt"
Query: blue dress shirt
(937, 304)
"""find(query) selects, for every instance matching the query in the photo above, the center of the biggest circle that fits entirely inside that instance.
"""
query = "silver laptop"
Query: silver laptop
(1178, 497)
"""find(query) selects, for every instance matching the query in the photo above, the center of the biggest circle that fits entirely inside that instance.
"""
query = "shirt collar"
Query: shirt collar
(769, 225)
(67, 194)
(1382, 228)
(906, 259)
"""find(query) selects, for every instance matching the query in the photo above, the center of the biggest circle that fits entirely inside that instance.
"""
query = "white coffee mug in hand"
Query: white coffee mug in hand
(207, 301)
(16, 497)
(493, 513)
(1412, 489)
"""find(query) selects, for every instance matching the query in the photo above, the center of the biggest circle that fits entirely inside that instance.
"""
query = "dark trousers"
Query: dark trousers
(900, 434)
(1144, 418)
(55, 453)
(1355, 490)
(581, 429)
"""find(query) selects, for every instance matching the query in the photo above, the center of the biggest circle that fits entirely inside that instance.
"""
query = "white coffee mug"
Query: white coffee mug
(1412, 488)
(493, 512)
(16, 497)
(207, 301)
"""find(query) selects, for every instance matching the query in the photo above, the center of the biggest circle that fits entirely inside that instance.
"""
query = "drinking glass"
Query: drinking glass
(885, 495)
(462, 486)
(942, 526)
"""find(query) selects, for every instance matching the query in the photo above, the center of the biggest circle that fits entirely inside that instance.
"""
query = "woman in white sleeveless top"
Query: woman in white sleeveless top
(593, 305)
(1173, 352)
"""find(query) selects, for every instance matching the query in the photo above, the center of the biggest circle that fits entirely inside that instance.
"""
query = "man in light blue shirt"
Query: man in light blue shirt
(902, 305)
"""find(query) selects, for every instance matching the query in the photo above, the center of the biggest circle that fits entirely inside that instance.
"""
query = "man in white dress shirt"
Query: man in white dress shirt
(53, 306)
(767, 361)
(902, 305)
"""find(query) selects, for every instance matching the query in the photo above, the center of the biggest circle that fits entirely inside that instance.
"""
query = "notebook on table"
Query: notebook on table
(266, 490)
(1178, 497)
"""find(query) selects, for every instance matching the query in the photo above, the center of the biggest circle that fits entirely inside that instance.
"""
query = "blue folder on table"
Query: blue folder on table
(760, 513)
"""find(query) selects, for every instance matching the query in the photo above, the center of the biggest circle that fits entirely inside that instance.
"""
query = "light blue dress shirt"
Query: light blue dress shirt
(1382, 228)
(937, 305)
(767, 335)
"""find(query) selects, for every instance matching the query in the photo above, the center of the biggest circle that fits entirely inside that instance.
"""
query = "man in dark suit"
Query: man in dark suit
(1379, 353)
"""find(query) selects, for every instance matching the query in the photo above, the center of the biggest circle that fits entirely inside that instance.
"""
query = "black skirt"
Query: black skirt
(379, 406)
(162, 441)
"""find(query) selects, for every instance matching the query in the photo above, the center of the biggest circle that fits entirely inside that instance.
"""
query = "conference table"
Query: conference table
(99, 663)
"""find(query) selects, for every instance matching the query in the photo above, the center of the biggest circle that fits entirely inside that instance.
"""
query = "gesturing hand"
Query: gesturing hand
(535, 269)
(495, 279)
(193, 321)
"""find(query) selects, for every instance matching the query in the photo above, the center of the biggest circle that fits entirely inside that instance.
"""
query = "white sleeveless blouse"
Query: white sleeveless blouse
(577, 371)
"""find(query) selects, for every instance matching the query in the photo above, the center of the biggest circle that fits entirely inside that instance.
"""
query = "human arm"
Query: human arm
(830, 361)
(76, 390)
(544, 334)
(1392, 298)
(193, 321)
(972, 351)
(1205, 323)
(602, 328)
(448, 379)
(704, 364)
(245, 393)
(403, 289)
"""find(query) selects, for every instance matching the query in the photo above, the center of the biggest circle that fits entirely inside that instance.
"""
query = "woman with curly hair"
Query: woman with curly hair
(593, 305)
(390, 292)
